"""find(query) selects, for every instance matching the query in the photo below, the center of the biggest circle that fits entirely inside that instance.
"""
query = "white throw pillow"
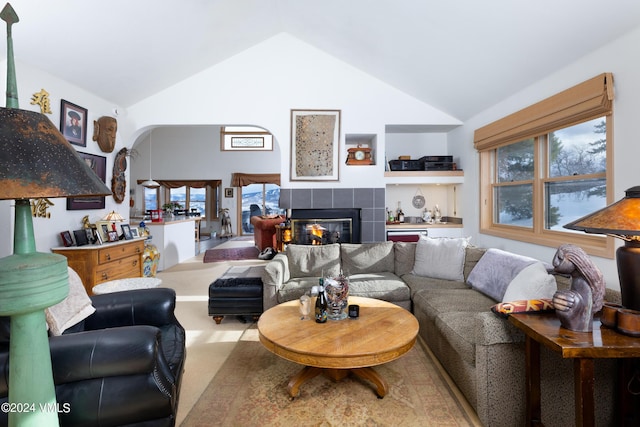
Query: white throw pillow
(440, 258)
(533, 282)
(71, 310)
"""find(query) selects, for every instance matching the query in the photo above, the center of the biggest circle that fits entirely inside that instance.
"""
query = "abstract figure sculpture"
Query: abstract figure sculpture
(575, 307)
(226, 223)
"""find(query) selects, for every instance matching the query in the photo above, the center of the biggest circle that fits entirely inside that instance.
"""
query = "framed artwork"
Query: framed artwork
(73, 123)
(134, 233)
(103, 230)
(315, 138)
(97, 236)
(81, 237)
(66, 238)
(228, 192)
(99, 165)
(126, 231)
(113, 236)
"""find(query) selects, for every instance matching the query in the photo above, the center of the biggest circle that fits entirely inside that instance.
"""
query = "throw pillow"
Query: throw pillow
(504, 309)
(440, 258)
(73, 309)
(367, 258)
(405, 256)
(533, 282)
(495, 270)
(313, 261)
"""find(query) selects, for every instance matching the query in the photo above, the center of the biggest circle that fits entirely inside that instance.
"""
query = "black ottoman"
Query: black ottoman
(238, 293)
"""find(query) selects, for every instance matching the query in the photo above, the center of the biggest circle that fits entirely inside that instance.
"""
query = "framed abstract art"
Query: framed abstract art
(315, 139)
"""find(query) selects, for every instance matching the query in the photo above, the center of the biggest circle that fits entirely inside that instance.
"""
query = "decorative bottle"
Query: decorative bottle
(400, 213)
(321, 303)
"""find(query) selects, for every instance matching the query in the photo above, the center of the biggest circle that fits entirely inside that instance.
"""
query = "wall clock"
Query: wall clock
(418, 201)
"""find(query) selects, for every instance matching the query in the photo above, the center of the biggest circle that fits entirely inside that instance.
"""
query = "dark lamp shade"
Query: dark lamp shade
(621, 218)
(37, 161)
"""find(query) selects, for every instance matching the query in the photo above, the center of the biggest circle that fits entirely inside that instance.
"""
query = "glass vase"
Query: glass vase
(337, 291)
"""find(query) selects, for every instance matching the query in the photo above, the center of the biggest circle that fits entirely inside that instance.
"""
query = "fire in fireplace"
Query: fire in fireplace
(325, 226)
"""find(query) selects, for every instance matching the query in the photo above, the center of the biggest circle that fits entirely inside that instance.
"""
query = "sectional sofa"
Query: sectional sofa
(482, 352)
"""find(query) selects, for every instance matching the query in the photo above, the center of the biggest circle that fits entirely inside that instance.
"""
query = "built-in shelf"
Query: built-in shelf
(425, 177)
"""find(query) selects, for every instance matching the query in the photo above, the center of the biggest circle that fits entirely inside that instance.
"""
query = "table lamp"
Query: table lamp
(35, 161)
(622, 220)
(113, 217)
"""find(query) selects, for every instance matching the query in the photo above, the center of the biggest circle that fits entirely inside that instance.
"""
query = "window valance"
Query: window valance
(587, 100)
(197, 183)
(242, 179)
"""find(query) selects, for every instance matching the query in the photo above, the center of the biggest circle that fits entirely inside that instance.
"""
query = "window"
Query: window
(259, 199)
(258, 194)
(204, 196)
(548, 165)
(245, 138)
(196, 198)
(150, 198)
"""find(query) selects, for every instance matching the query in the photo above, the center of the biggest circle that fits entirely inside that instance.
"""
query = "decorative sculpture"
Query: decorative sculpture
(42, 99)
(104, 131)
(576, 306)
(119, 179)
(226, 223)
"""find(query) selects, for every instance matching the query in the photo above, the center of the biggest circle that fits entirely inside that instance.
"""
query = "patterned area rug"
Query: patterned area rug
(230, 254)
(250, 390)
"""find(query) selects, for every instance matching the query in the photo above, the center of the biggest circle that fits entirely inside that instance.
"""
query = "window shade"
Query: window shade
(242, 179)
(587, 100)
(186, 183)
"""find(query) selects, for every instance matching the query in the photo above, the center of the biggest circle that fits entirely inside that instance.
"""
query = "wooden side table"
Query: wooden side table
(583, 347)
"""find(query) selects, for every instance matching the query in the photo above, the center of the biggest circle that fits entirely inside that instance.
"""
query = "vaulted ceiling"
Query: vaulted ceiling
(460, 56)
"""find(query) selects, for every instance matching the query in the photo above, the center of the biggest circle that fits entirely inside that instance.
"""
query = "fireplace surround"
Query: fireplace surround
(325, 226)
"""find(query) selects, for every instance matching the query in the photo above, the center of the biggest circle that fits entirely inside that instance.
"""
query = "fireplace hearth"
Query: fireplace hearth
(325, 226)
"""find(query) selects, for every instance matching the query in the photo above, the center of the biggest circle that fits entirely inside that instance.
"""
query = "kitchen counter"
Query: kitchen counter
(421, 225)
(411, 231)
(165, 221)
(174, 239)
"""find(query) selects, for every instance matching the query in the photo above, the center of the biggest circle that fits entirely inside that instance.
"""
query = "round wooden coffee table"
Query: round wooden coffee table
(382, 333)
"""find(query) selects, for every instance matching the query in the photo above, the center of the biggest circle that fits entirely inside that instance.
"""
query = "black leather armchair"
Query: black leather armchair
(120, 366)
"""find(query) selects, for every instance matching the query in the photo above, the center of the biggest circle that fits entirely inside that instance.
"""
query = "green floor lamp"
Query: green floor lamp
(36, 161)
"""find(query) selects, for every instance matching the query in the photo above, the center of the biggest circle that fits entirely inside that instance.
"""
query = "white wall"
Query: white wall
(618, 58)
(237, 91)
(193, 152)
(243, 90)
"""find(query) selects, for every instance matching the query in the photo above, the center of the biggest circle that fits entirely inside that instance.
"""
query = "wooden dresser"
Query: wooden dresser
(101, 263)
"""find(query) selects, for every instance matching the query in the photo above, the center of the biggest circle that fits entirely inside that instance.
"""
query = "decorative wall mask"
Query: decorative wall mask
(119, 180)
(104, 131)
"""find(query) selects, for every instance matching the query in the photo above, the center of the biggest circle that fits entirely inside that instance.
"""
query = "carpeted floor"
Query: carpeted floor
(250, 390)
(230, 254)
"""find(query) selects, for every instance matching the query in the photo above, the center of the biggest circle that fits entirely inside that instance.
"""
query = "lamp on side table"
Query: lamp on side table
(622, 220)
(36, 161)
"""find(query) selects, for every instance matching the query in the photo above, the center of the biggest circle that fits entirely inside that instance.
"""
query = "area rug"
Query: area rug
(250, 389)
(230, 254)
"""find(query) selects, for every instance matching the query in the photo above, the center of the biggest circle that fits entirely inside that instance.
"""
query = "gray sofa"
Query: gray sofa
(483, 353)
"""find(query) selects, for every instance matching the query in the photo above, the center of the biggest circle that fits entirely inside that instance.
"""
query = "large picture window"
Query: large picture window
(201, 195)
(548, 165)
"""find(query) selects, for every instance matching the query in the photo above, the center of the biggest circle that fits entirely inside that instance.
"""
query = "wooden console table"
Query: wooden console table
(583, 347)
(100, 263)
